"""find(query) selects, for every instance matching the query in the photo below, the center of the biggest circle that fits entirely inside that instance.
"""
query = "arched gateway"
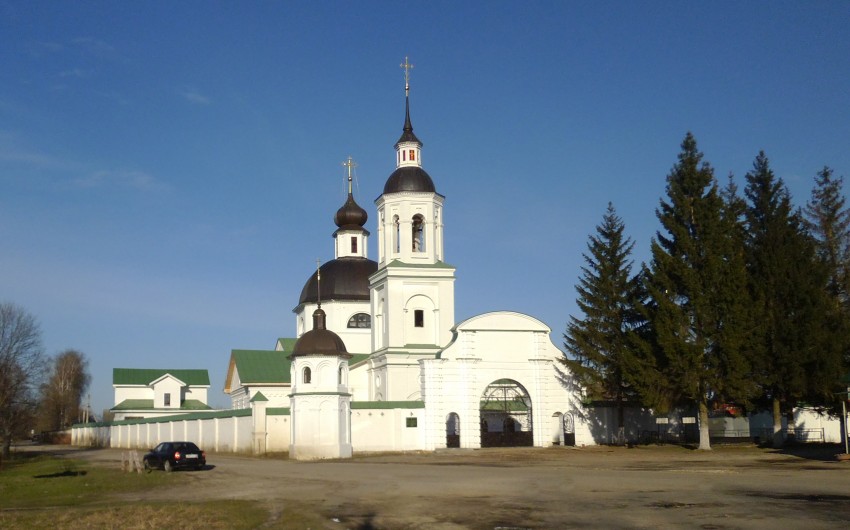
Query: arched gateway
(506, 415)
(453, 430)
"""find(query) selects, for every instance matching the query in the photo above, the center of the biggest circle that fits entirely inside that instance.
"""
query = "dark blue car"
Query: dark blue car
(175, 455)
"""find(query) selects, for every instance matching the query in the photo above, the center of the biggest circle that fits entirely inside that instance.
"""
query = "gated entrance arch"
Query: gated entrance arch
(506, 415)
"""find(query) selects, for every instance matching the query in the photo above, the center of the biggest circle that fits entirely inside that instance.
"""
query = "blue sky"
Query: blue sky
(169, 171)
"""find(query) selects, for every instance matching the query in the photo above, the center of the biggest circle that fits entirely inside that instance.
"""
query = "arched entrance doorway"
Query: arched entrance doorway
(569, 429)
(453, 430)
(506, 415)
(557, 429)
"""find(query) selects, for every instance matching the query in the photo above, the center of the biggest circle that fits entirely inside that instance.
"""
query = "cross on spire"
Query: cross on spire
(350, 164)
(407, 67)
(319, 281)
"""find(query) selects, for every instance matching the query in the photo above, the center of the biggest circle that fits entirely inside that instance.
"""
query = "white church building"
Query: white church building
(379, 362)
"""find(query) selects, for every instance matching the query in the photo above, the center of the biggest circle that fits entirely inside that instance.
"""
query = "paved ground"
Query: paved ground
(559, 487)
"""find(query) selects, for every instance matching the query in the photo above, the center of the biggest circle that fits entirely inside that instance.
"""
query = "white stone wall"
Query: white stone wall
(487, 348)
(372, 430)
(386, 430)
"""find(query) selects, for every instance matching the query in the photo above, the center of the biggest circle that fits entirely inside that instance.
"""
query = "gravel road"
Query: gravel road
(558, 487)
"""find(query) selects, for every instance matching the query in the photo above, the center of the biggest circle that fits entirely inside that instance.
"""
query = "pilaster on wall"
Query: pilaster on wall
(258, 424)
(451, 387)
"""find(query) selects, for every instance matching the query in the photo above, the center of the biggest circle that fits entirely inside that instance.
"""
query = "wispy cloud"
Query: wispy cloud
(74, 72)
(193, 96)
(94, 46)
(138, 180)
(12, 151)
(41, 48)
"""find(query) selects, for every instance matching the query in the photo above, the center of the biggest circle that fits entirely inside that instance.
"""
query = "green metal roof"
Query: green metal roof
(232, 413)
(147, 404)
(262, 366)
(144, 376)
(358, 357)
(438, 265)
(277, 411)
(286, 344)
(502, 406)
(259, 397)
(270, 366)
(387, 405)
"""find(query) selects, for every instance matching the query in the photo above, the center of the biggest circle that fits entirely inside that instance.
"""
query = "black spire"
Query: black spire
(407, 135)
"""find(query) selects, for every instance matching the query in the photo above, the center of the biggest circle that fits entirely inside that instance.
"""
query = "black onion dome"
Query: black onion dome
(319, 340)
(351, 215)
(409, 178)
(342, 279)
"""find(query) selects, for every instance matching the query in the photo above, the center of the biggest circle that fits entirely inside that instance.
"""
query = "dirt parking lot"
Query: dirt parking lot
(558, 487)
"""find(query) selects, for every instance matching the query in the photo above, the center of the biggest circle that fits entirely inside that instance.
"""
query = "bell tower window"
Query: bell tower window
(418, 233)
(354, 245)
(306, 376)
(412, 155)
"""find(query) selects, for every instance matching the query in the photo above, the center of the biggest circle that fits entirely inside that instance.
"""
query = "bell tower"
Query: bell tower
(412, 292)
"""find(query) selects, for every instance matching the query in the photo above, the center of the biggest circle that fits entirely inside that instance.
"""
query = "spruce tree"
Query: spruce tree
(695, 280)
(788, 285)
(598, 344)
(828, 220)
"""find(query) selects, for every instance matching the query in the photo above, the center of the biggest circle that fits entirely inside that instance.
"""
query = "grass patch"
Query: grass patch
(51, 492)
(48, 481)
(220, 514)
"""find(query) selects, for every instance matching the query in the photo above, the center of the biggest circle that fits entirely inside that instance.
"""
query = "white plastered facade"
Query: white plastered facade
(424, 381)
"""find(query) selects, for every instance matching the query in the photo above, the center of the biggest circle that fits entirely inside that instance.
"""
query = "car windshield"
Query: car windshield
(187, 447)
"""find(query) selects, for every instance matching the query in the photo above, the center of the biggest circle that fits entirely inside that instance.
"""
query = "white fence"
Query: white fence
(641, 425)
(376, 426)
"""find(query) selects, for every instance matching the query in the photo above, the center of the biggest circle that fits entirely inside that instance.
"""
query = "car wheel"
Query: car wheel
(167, 466)
(147, 464)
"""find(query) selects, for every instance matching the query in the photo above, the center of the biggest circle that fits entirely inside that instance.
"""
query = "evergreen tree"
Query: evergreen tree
(697, 316)
(598, 344)
(828, 221)
(788, 285)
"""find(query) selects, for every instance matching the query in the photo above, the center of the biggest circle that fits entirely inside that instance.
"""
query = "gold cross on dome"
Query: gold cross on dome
(350, 164)
(407, 68)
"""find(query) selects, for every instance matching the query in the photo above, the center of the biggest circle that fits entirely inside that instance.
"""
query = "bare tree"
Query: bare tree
(21, 371)
(64, 389)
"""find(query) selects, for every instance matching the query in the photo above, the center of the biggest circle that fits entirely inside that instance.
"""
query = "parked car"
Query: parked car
(175, 455)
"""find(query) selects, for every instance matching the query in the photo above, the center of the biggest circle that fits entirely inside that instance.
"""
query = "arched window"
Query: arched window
(418, 233)
(306, 375)
(360, 320)
(396, 234)
(339, 381)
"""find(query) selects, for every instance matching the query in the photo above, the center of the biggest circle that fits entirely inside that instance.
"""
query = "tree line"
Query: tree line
(36, 392)
(745, 300)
